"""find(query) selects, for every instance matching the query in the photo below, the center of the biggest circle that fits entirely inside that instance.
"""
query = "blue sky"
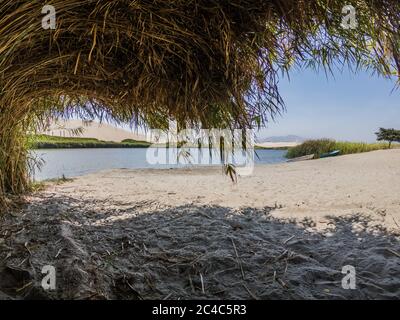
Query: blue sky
(345, 106)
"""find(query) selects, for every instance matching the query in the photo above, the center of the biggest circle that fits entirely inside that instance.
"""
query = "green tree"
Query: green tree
(390, 135)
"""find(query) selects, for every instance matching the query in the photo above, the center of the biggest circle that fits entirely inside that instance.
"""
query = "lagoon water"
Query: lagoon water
(76, 162)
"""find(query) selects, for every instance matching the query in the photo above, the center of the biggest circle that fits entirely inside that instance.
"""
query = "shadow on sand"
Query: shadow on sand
(141, 251)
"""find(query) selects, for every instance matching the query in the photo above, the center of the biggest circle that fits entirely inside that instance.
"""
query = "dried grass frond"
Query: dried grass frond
(203, 63)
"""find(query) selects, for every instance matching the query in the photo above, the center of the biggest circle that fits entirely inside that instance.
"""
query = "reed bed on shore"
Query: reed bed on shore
(321, 146)
(52, 142)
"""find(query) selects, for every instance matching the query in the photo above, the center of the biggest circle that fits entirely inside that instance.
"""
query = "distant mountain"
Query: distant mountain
(288, 138)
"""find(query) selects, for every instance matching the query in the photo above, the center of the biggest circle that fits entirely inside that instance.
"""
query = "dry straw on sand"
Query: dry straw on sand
(200, 62)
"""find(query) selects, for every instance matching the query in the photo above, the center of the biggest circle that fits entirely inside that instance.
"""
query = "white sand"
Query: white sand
(191, 233)
(366, 183)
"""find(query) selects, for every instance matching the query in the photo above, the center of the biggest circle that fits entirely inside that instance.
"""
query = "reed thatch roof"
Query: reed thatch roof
(202, 61)
(209, 63)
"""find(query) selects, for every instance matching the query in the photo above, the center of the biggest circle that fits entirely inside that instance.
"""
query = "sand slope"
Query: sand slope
(101, 131)
(283, 233)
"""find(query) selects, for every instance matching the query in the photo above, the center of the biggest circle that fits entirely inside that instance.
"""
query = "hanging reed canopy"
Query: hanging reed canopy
(200, 62)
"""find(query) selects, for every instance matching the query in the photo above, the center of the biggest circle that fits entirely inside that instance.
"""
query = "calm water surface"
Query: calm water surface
(76, 162)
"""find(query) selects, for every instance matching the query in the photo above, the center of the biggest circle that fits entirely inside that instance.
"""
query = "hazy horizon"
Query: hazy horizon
(344, 106)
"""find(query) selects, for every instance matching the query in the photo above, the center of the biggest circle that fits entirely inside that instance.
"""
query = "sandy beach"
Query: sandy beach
(284, 232)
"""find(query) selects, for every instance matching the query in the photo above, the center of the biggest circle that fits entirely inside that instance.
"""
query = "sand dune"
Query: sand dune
(101, 131)
(107, 132)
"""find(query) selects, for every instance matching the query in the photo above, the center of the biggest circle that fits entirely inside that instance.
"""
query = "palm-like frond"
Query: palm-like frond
(200, 62)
